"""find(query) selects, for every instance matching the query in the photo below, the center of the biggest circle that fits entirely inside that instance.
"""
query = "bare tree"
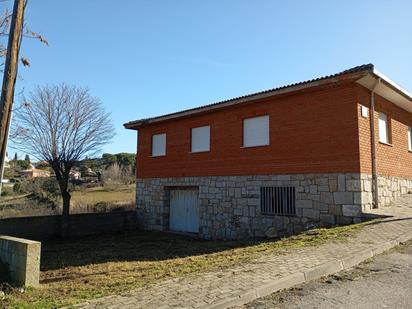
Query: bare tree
(116, 173)
(61, 125)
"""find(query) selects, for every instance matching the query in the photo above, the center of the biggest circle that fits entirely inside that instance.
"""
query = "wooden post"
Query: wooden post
(10, 74)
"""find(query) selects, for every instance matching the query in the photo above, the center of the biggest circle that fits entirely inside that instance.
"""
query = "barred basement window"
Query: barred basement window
(277, 200)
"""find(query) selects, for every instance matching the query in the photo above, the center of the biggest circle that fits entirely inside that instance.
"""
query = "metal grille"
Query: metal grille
(277, 200)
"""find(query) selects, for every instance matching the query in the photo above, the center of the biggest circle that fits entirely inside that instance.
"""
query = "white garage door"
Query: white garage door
(184, 211)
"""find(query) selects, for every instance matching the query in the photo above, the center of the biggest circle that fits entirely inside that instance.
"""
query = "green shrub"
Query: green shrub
(51, 188)
(5, 193)
(101, 207)
(32, 186)
(17, 187)
(42, 188)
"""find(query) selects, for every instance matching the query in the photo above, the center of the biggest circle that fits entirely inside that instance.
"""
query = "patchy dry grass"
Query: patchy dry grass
(101, 199)
(98, 199)
(76, 270)
(24, 206)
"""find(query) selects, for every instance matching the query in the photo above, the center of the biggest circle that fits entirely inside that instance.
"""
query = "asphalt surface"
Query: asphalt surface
(382, 282)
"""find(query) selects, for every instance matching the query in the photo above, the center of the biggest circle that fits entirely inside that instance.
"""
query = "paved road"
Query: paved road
(383, 282)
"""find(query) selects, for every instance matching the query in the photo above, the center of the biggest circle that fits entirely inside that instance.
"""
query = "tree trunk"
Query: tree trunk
(66, 214)
(62, 177)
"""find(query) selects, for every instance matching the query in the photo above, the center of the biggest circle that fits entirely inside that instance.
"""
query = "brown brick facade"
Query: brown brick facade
(310, 132)
(317, 131)
(393, 159)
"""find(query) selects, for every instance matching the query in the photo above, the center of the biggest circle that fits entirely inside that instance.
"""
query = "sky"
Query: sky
(147, 58)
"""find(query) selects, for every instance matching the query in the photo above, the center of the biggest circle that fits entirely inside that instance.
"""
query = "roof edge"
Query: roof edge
(353, 72)
(393, 84)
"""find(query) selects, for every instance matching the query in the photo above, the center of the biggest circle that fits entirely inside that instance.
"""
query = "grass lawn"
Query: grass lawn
(73, 271)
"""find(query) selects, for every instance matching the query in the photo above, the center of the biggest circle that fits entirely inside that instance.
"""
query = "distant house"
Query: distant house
(76, 175)
(321, 152)
(34, 173)
(6, 161)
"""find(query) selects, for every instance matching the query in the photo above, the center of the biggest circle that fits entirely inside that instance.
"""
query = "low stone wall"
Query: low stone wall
(22, 257)
(230, 205)
(47, 227)
(389, 188)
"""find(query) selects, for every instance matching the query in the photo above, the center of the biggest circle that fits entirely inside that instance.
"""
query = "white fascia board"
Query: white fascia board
(387, 89)
(403, 91)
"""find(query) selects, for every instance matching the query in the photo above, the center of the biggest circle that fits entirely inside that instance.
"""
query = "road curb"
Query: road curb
(316, 272)
(322, 270)
(280, 284)
(264, 290)
(357, 258)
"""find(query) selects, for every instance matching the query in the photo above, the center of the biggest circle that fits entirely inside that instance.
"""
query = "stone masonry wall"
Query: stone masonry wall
(230, 205)
(389, 188)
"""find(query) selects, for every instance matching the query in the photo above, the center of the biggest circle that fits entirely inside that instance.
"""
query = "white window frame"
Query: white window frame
(384, 128)
(253, 135)
(364, 111)
(159, 150)
(200, 139)
(410, 138)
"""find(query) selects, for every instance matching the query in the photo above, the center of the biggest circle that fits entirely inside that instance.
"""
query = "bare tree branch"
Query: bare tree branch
(5, 19)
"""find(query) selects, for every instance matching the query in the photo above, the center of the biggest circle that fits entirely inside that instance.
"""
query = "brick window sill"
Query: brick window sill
(386, 144)
(245, 147)
(203, 151)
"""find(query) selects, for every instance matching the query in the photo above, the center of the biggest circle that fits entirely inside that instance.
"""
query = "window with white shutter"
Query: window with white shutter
(409, 138)
(159, 145)
(201, 139)
(383, 128)
(256, 131)
(364, 111)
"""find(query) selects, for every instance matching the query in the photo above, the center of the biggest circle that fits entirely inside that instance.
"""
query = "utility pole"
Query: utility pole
(9, 77)
(4, 157)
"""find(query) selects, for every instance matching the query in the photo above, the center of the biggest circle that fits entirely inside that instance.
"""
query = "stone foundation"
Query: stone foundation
(389, 188)
(230, 205)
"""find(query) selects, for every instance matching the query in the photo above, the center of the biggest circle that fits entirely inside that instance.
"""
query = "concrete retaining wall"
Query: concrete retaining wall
(22, 257)
(47, 227)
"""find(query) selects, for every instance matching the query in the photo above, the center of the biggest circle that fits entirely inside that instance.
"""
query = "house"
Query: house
(34, 173)
(6, 161)
(75, 174)
(322, 152)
